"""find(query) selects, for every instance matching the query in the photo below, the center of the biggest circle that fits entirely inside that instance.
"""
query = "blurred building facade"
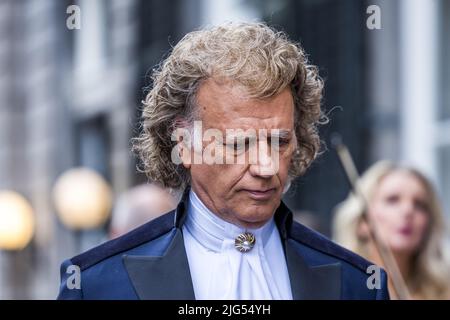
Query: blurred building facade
(67, 99)
(70, 98)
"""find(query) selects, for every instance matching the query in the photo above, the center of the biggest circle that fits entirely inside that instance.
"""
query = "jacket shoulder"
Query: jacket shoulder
(145, 233)
(318, 242)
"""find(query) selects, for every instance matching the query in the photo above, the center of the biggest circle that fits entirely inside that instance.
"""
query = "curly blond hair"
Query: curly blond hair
(252, 55)
(429, 278)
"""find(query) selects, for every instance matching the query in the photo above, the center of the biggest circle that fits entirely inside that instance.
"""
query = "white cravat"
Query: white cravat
(220, 271)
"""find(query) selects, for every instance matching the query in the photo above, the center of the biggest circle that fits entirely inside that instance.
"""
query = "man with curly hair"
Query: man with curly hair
(253, 92)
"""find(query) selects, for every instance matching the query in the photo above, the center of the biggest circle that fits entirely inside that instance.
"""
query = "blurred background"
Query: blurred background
(70, 97)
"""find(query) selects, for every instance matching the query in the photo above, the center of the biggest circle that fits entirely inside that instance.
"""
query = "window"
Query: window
(444, 168)
(445, 59)
(93, 145)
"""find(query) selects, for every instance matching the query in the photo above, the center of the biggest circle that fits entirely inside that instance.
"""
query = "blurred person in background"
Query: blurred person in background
(139, 205)
(407, 215)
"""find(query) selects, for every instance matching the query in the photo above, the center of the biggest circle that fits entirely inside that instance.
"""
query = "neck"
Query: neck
(403, 260)
(222, 214)
(404, 264)
(211, 231)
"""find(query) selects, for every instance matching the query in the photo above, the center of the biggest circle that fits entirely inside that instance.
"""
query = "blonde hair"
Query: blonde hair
(429, 277)
(252, 55)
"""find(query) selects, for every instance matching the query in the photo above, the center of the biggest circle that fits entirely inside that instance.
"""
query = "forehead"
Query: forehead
(224, 105)
(402, 181)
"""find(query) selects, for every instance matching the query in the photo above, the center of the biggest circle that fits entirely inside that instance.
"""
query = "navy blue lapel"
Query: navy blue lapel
(166, 277)
(318, 282)
(322, 282)
(162, 278)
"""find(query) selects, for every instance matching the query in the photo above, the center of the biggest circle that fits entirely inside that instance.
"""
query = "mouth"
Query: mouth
(406, 231)
(260, 194)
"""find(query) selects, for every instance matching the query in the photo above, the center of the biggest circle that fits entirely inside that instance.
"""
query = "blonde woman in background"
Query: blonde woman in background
(407, 216)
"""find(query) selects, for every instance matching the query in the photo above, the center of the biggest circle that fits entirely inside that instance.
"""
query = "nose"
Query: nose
(407, 209)
(267, 162)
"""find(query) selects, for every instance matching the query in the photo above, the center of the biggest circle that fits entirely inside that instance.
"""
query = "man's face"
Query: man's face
(244, 193)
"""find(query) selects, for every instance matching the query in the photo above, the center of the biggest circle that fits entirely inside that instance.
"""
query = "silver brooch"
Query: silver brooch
(244, 242)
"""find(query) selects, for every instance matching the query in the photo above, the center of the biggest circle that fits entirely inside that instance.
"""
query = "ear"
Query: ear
(362, 230)
(185, 154)
(184, 141)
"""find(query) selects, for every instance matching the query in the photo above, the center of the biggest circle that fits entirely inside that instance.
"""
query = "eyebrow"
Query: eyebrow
(281, 133)
(276, 133)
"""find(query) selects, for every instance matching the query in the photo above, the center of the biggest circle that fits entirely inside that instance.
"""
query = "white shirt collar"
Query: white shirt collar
(211, 231)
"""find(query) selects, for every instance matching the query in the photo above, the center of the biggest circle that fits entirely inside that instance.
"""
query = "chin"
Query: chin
(261, 216)
(404, 248)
